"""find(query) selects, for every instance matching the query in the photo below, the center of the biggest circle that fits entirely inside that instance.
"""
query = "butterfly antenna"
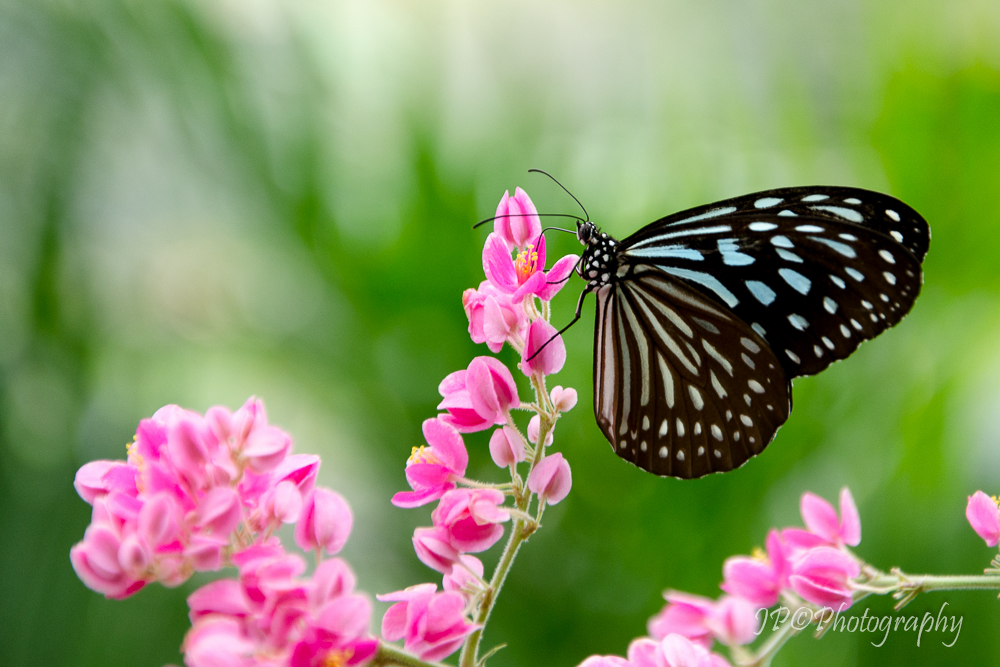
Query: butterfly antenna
(524, 215)
(564, 188)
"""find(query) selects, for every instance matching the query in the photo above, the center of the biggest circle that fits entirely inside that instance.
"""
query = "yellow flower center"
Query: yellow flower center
(758, 554)
(422, 454)
(338, 657)
(525, 264)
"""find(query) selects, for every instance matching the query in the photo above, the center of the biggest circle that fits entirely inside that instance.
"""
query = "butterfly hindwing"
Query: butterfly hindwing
(814, 288)
(671, 393)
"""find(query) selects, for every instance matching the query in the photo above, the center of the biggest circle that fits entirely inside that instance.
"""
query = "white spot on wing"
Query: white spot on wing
(716, 432)
(767, 202)
(830, 305)
(815, 197)
(846, 213)
(854, 273)
(761, 292)
(838, 281)
(750, 345)
(795, 280)
(696, 398)
(798, 321)
(811, 229)
(755, 386)
(892, 214)
(762, 226)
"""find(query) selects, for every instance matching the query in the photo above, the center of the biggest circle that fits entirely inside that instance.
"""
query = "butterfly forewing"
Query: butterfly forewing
(840, 204)
(814, 288)
(672, 394)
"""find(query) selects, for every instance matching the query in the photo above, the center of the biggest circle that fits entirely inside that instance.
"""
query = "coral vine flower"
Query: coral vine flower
(525, 274)
(433, 625)
(325, 523)
(434, 549)
(821, 519)
(471, 518)
(821, 576)
(679, 651)
(685, 614)
(984, 517)
(493, 317)
(551, 479)
(478, 397)
(506, 447)
(517, 221)
(552, 356)
(758, 579)
(432, 471)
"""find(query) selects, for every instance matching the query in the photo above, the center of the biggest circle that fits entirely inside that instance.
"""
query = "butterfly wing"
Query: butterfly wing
(874, 210)
(814, 287)
(682, 387)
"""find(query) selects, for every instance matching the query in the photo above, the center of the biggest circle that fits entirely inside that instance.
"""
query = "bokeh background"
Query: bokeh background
(203, 200)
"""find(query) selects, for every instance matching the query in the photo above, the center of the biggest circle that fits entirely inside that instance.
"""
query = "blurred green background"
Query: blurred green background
(205, 200)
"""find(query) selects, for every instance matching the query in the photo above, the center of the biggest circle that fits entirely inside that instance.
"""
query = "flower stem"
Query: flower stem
(519, 533)
(387, 654)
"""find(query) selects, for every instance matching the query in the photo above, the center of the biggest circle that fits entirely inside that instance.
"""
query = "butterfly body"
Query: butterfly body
(705, 316)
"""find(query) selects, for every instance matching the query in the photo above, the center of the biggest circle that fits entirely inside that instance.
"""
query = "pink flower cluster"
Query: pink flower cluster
(469, 516)
(498, 310)
(269, 617)
(812, 563)
(200, 492)
(190, 480)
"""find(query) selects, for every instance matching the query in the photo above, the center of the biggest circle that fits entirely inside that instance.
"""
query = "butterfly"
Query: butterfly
(705, 316)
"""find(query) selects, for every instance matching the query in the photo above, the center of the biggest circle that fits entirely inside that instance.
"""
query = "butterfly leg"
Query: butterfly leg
(576, 318)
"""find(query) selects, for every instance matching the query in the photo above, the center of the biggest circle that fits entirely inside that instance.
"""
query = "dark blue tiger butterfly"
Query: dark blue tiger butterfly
(705, 316)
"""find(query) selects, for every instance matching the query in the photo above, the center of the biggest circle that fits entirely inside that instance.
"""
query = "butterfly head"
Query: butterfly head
(599, 261)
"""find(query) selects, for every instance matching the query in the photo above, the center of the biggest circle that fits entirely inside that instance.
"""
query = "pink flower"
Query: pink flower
(983, 516)
(605, 661)
(466, 576)
(506, 447)
(325, 522)
(433, 625)
(685, 614)
(99, 478)
(432, 471)
(759, 580)
(96, 562)
(524, 275)
(471, 518)
(218, 641)
(564, 400)
(534, 425)
(822, 575)
(271, 618)
(821, 519)
(679, 651)
(517, 221)
(551, 357)
(551, 479)
(733, 621)
(479, 396)
(493, 317)
(434, 549)
(646, 652)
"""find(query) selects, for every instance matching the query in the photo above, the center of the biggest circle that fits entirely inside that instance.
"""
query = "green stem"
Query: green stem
(387, 654)
(518, 534)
